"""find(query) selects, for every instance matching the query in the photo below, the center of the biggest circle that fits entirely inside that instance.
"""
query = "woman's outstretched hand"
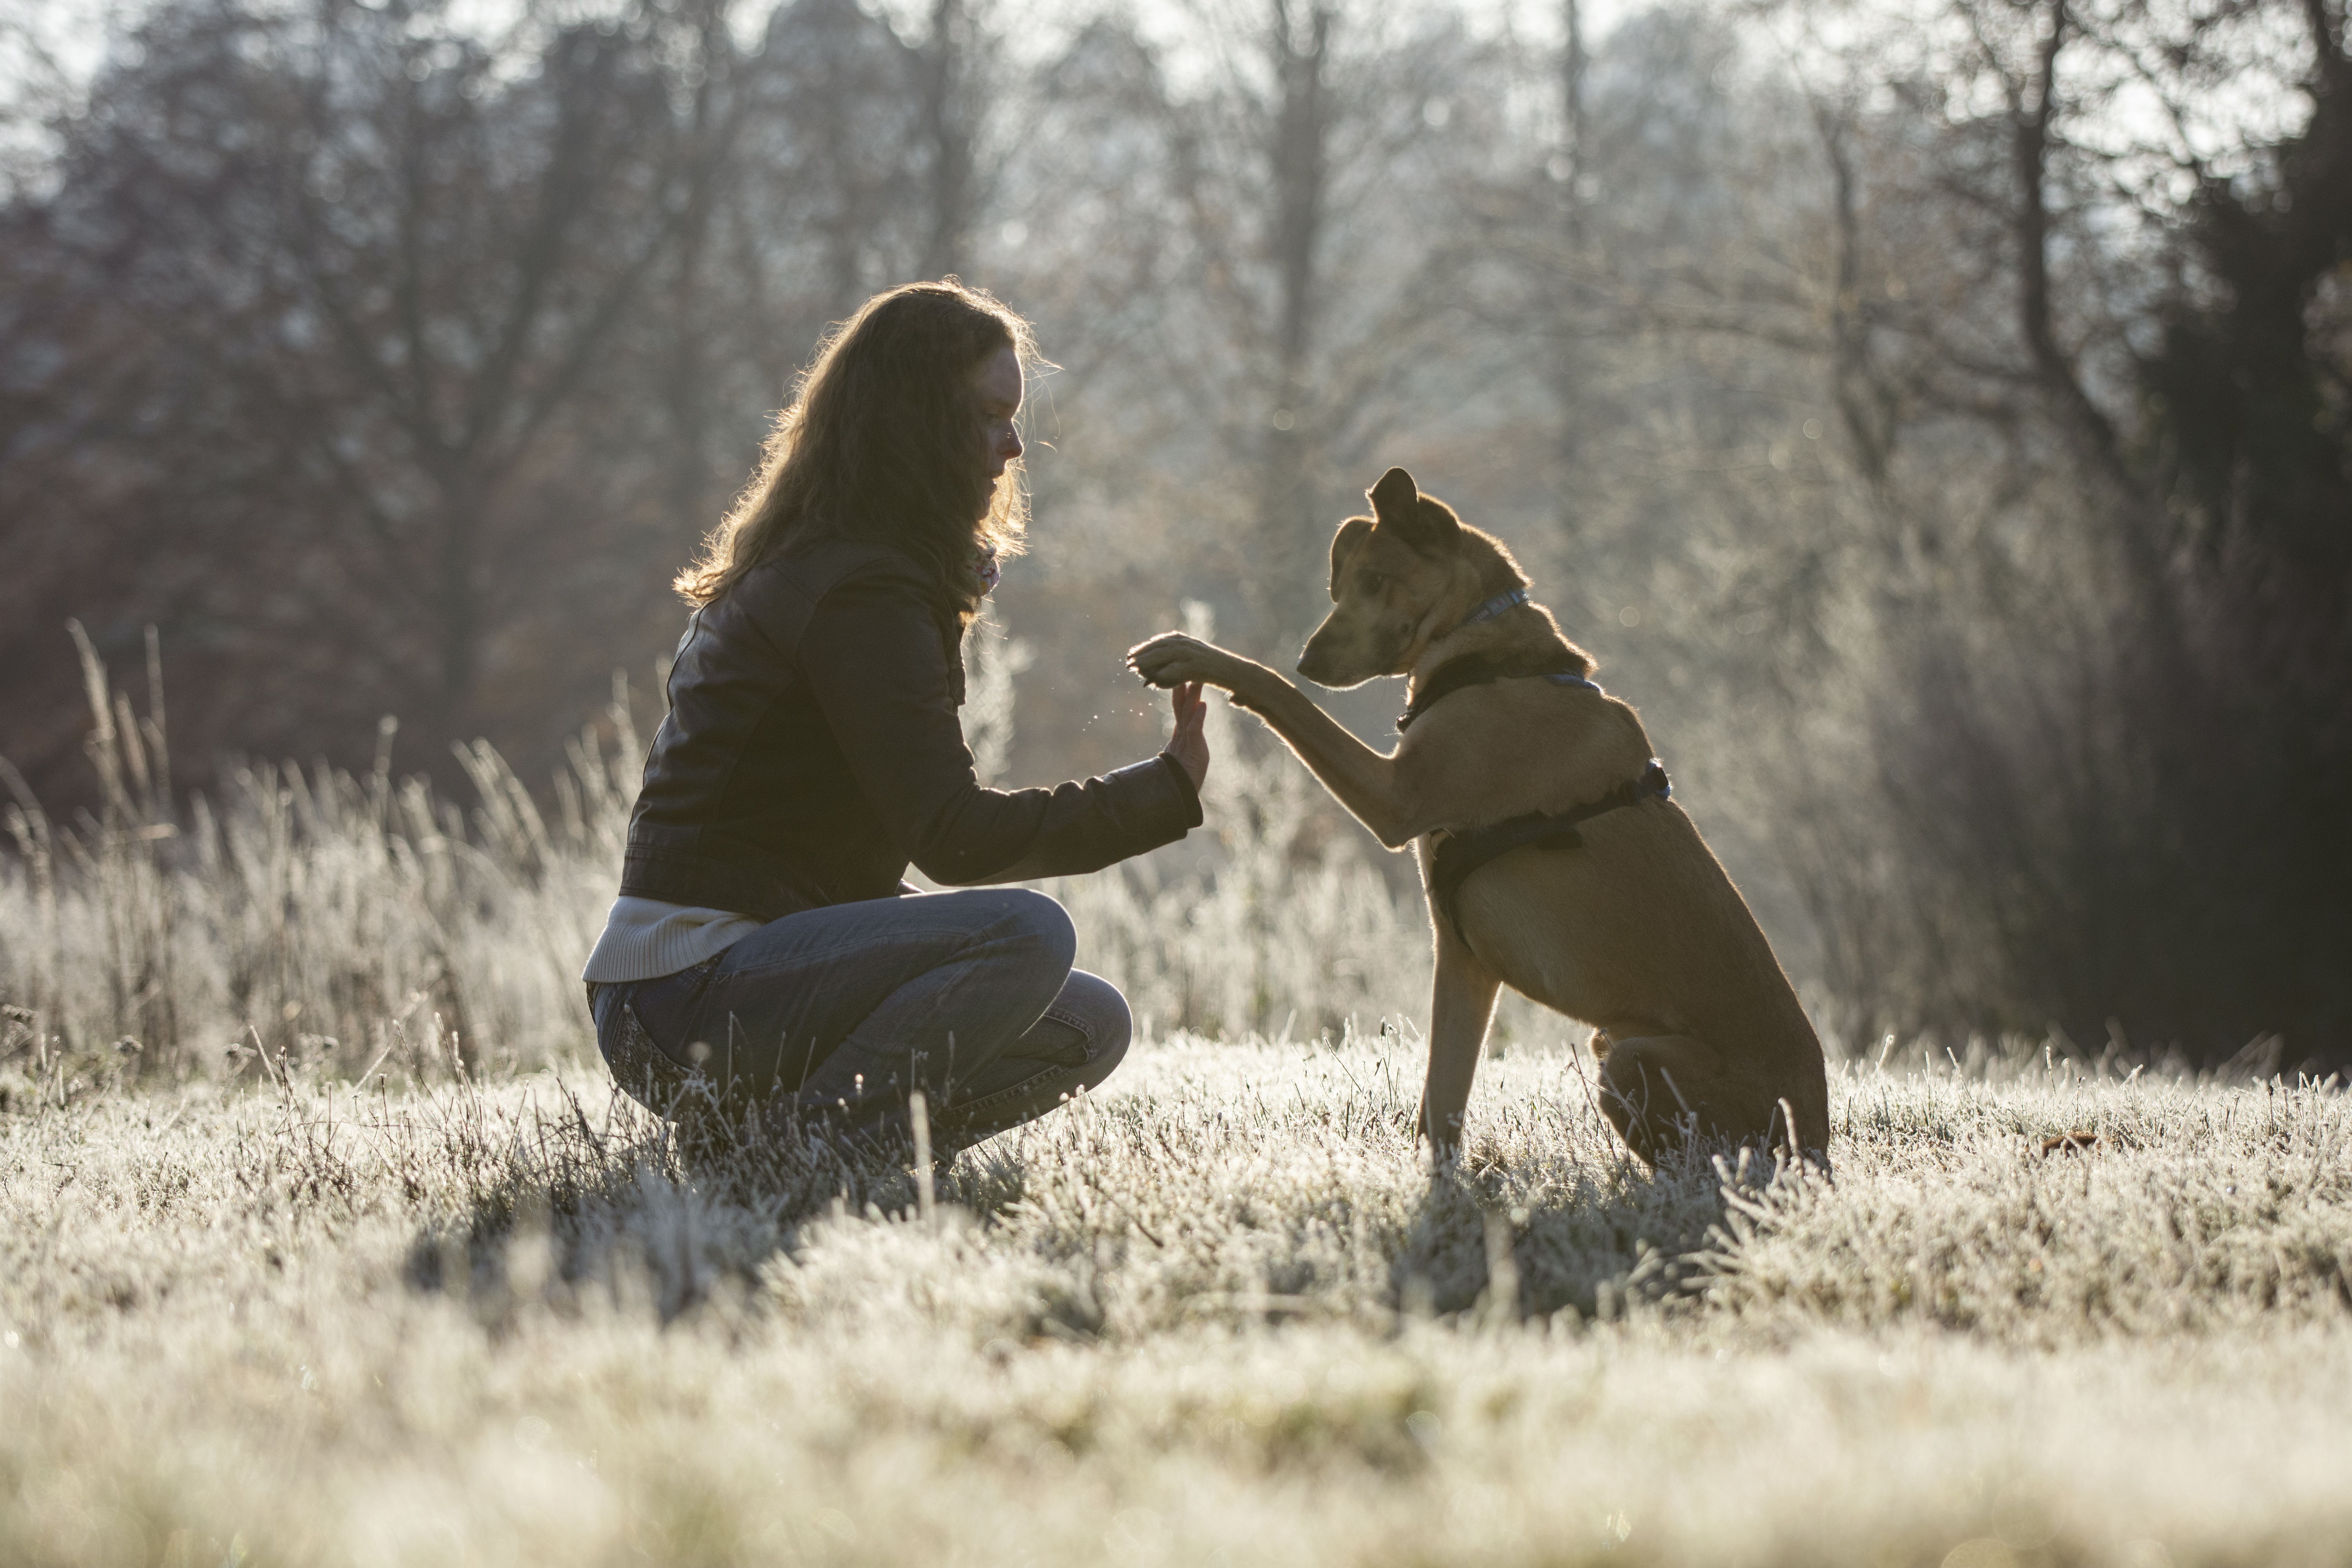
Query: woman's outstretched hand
(1189, 745)
(1183, 665)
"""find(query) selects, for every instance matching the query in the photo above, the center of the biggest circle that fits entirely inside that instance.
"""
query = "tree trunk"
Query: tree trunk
(455, 600)
(946, 70)
(1569, 369)
(2030, 143)
(1290, 539)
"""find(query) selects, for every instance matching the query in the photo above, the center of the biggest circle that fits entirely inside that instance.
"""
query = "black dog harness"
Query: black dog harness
(1461, 853)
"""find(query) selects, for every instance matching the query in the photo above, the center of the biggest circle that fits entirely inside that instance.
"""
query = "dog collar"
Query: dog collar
(1476, 670)
(1495, 607)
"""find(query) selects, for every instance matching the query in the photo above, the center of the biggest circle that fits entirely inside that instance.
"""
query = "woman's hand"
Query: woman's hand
(1183, 665)
(1189, 745)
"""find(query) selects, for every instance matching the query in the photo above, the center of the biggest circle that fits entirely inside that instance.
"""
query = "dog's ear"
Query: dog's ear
(1394, 497)
(1344, 544)
(1428, 525)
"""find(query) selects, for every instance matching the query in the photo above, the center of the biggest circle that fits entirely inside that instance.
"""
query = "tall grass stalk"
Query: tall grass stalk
(351, 922)
(314, 916)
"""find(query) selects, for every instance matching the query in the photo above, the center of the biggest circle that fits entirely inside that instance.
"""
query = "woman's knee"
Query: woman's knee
(1095, 1008)
(1032, 917)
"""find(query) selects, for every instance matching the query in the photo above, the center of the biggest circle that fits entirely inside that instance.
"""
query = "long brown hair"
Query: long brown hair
(882, 442)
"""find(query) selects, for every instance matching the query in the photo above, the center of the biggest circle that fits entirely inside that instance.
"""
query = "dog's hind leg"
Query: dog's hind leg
(1658, 1090)
(1462, 1002)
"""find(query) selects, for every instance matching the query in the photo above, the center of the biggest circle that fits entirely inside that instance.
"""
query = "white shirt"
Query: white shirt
(645, 938)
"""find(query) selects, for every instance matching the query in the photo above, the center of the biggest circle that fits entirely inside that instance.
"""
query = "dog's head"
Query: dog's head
(1399, 579)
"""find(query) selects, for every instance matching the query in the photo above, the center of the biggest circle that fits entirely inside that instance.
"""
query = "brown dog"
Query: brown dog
(1553, 858)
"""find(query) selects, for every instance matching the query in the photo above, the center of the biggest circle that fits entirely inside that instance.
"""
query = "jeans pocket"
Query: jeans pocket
(650, 1076)
(665, 1007)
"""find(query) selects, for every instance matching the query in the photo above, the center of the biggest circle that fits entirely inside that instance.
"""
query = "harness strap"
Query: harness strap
(1460, 854)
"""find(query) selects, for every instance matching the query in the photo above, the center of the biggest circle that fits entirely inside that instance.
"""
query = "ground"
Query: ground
(1221, 1314)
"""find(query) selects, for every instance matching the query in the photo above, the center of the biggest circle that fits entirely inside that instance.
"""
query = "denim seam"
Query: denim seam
(974, 1109)
(800, 960)
(1075, 1023)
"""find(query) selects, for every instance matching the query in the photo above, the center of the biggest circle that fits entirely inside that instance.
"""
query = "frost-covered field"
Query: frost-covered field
(1219, 1314)
(477, 1312)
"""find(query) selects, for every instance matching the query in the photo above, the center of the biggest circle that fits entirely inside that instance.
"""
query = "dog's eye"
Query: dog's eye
(1369, 581)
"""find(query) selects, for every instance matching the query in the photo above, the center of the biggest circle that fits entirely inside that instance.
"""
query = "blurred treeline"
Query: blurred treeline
(1936, 415)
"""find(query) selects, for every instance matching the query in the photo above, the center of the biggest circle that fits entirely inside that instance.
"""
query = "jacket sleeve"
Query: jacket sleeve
(874, 656)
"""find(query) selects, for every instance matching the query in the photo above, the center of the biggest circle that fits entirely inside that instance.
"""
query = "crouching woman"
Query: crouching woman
(811, 750)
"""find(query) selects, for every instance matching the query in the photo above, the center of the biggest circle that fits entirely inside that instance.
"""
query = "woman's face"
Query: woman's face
(997, 385)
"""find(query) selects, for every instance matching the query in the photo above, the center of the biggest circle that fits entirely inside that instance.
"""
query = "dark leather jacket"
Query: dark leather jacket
(811, 751)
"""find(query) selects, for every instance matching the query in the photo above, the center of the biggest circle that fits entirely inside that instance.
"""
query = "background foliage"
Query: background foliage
(1935, 415)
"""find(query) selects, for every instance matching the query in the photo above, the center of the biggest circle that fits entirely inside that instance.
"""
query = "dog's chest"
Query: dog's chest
(1490, 754)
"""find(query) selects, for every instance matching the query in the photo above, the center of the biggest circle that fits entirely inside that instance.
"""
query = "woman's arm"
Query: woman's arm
(874, 656)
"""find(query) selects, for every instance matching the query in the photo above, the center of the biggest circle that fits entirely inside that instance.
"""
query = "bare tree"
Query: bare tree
(946, 86)
(1317, 179)
(501, 256)
(1298, 48)
(372, 280)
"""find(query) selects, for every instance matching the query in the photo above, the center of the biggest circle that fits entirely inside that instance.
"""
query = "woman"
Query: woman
(811, 751)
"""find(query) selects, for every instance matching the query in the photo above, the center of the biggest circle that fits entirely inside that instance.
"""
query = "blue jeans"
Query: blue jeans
(829, 1017)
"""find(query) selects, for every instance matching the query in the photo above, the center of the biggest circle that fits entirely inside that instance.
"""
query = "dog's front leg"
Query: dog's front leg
(1368, 785)
(1462, 1002)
